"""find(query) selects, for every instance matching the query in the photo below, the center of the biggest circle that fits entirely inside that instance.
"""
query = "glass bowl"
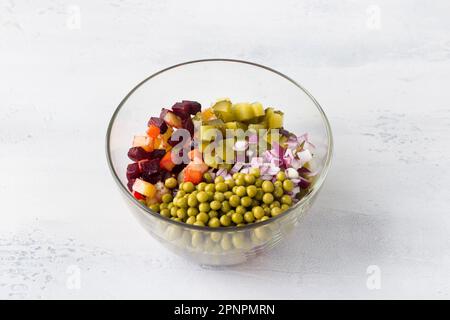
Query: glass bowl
(205, 81)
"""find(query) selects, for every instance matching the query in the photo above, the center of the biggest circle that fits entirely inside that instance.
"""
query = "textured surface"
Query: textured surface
(380, 69)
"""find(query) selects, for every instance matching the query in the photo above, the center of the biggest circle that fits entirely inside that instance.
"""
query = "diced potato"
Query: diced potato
(145, 188)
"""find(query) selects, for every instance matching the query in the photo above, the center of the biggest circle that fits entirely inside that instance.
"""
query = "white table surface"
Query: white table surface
(380, 69)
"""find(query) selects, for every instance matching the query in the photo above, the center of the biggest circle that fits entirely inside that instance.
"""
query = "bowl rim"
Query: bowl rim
(313, 191)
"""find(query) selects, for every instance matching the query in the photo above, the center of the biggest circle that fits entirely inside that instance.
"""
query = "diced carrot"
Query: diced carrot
(153, 131)
(194, 172)
(166, 162)
(144, 142)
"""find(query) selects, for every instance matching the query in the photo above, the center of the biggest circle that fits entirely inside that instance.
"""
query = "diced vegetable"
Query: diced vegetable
(145, 188)
(223, 110)
(171, 118)
(166, 162)
(159, 123)
(153, 131)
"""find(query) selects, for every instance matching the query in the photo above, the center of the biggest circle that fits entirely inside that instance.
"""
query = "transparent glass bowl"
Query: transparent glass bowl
(205, 81)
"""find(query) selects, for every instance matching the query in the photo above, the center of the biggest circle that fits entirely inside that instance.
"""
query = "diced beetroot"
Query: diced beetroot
(158, 122)
(178, 168)
(303, 184)
(170, 118)
(188, 125)
(138, 153)
(133, 171)
(157, 154)
(130, 184)
(192, 106)
(181, 110)
(149, 167)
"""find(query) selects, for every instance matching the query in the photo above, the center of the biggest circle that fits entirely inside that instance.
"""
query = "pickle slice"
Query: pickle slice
(235, 125)
(243, 111)
(223, 109)
(258, 109)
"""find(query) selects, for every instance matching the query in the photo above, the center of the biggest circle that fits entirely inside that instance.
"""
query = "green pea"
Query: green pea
(230, 183)
(176, 219)
(203, 217)
(275, 204)
(173, 211)
(199, 223)
(284, 207)
(219, 179)
(240, 181)
(171, 183)
(268, 198)
(246, 201)
(215, 205)
(181, 213)
(276, 211)
(182, 203)
(214, 222)
(234, 200)
(204, 207)
(278, 192)
(286, 200)
(228, 194)
(288, 185)
(210, 195)
(241, 191)
(236, 175)
(210, 187)
(163, 206)
(237, 218)
(219, 196)
(278, 184)
(240, 225)
(208, 177)
(225, 220)
(192, 212)
(192, 201)
(252, 191)
(230, 213)
(259, 194)
(221, 187)
(241, 209)
(202, 196)
(255, 172)
(267, 186)
(165, 213)
(267, 210)
(264, 218)
(155, 207)
(249, 179)
(190, 220)
(213, 214)
(255, 203)
(281, 176)
(249, 217)
(188, 186)
(258, 212)
(226, 207)
(170, 205)
(234, 189)
(201, 186)
(181, 194)
(258, 183)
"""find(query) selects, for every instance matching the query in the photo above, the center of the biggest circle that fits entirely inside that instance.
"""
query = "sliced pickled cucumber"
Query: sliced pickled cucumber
(258, 109)
(275, 121)
(235, 125)
(225, 150)
(257, 126)
(208, 133)
(243, 111)
(223, 110)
